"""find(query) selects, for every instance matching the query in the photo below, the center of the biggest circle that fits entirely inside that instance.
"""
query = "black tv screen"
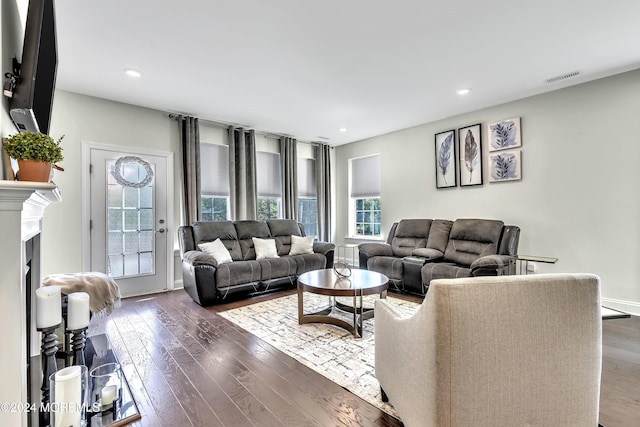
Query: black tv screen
(30, 107)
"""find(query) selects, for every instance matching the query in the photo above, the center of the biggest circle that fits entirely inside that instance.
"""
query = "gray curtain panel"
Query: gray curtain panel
(289, 170)
(190, 141)
(242, 174)
(323, 181)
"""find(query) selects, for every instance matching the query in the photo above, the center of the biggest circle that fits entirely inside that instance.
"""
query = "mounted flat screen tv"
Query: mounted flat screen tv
(30, 106)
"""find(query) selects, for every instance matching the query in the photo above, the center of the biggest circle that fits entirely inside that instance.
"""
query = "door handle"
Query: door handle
(161, 230)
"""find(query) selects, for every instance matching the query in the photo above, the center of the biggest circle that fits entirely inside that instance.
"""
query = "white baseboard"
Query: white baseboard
(630, 307)
(178, 284)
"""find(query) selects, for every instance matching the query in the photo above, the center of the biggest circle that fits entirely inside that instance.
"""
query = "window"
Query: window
(269, 183)
(307, 198)
(364, 211)
(214, 177)
(367, 212)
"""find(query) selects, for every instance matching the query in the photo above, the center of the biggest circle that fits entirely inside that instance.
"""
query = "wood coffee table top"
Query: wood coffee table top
(327, 282)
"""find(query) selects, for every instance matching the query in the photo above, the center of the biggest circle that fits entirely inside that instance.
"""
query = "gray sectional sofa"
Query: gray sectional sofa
(420, 250)
(208, 283)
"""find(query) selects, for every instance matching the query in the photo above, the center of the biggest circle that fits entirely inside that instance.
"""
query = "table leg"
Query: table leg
(300, 306)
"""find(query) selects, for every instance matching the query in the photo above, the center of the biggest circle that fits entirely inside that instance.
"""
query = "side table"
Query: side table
(523, 260)
(351, 249)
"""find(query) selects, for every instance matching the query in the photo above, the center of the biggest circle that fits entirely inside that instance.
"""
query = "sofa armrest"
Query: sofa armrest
(323, 247)
(199, 258)
(368, 250)
(199, 277)
(327, 249)
(492, 265)
(428, 254)
(375, 249)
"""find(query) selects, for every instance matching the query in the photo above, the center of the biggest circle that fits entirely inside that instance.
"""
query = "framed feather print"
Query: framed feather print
(470, 155)
(504, 134)
(505, 166)
(446, 173)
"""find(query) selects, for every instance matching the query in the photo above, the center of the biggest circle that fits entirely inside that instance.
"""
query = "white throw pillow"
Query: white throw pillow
(217, 250)
(265, 248)
(301, 245)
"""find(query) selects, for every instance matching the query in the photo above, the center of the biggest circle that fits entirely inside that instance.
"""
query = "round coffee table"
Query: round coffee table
(327, 282)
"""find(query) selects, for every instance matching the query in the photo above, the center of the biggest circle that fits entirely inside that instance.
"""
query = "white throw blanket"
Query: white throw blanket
(104, 293)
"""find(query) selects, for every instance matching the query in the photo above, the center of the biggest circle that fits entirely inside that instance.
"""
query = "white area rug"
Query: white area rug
(329, 350)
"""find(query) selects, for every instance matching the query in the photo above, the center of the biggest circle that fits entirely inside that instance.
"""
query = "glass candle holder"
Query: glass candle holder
(69, 396)
(106, 387)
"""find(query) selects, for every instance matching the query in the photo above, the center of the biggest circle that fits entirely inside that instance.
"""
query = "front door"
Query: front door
(128, 222)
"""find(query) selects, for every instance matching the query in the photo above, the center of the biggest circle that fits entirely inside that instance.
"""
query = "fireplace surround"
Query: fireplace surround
(22, 206)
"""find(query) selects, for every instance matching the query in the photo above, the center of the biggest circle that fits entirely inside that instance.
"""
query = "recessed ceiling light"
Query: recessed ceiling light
(463, 91)
(343, 129)
(131, 72)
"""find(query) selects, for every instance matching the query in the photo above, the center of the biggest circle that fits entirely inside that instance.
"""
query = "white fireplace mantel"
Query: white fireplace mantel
(22, 206)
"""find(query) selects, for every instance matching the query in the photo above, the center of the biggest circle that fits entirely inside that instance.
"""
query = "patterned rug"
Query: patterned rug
(329, 350)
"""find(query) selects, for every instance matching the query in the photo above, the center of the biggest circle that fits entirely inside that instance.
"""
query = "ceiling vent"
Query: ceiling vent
(563, 77)
(323, 137)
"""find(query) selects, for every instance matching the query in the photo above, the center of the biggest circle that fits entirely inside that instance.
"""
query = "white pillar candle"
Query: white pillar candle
(48, 307)
(108, 394)
(77, 311)
(67, 397)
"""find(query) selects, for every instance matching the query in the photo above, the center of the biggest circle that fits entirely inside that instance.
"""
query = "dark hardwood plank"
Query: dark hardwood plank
(345, 408)
(186, 365)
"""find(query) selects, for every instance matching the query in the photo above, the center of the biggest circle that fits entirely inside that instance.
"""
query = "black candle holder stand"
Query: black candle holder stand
(49, 366)
(78, 343)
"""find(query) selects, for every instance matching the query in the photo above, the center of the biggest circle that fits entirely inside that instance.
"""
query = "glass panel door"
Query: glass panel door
(130, 222)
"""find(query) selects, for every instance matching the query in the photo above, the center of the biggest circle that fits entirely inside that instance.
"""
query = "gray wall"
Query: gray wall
(578, 199)
(83, 119)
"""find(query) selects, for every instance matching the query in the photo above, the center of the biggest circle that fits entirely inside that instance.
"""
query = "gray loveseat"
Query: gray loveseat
(207, 282)
(420, 250)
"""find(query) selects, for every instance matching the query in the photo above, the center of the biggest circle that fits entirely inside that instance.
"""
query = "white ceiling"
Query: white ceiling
(308, 68)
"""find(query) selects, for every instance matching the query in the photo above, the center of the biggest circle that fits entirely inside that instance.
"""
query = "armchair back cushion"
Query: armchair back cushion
(472, 238)
(208, 231)
(410, 234)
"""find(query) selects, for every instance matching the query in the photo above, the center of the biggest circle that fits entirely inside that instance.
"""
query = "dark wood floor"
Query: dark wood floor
(188, 366)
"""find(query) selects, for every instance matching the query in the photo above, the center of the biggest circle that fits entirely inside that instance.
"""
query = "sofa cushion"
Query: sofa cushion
(248, 229)
(265, 248)
(273, 268)
(308, 262)
(410, 234)
(301, 245)
(470, 239)
(237, 273)
(443, 270)
(391, 267)
(208, 231)
(281, 231)
(217, 250)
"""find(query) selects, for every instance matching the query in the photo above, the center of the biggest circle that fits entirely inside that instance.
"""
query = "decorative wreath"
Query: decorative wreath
(117, 175)
(342, 269)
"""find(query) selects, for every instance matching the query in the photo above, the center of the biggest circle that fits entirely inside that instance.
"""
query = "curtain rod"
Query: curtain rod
(225, 125)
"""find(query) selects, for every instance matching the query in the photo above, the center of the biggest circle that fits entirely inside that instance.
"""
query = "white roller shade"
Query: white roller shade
(268, 174)
(365, 177)
(307, 178)
(214, 169)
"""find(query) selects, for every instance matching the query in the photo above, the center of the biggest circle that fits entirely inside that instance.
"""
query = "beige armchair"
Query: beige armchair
(495, 351)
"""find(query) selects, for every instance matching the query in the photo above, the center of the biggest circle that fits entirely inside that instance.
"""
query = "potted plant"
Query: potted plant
(36, 153)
